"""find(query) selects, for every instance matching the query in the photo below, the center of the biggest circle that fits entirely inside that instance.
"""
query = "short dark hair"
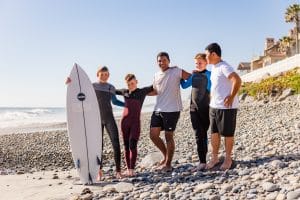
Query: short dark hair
(129, 77)
(214, 47)
(160, 54)
(102, 69)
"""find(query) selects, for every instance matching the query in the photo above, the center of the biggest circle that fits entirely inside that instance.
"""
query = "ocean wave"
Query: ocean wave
(22, 114)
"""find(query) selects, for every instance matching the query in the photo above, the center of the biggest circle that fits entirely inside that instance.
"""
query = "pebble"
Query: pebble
(266, 166)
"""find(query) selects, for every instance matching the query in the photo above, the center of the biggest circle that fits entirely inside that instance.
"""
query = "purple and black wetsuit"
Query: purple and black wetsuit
(130, 124)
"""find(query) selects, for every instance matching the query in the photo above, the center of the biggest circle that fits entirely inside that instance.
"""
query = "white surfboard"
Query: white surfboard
(84, 125)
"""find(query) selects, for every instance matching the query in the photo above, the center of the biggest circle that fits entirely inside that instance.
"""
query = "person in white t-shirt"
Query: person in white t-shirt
(167, 108)
(225, 83)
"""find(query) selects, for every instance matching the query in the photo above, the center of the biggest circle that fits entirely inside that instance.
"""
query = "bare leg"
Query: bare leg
(154, 136)
(100, 175)
(170, 148)
(228, 149)
(215, 143)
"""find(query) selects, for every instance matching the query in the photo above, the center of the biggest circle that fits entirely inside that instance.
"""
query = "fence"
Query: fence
(280, 66)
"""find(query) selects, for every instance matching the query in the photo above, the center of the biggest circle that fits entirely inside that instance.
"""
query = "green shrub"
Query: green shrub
(289, 79)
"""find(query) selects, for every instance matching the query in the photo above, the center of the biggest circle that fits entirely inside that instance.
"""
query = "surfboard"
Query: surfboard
(84, 125)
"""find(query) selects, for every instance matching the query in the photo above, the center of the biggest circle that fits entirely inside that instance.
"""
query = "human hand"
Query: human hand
(228, 101)
(68, 80)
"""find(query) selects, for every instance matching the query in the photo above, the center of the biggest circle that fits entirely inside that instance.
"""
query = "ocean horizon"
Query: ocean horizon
(33, 119)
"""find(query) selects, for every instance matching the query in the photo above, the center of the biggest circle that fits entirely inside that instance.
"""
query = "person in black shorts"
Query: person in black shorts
(225, 83)
(130, 123)
(167, 108)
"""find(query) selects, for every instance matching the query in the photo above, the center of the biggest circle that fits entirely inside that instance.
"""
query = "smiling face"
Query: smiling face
(103, 76)
(163, 62)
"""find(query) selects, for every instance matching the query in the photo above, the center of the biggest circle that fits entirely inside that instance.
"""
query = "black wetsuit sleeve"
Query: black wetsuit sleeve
(147, 90)
(120, 92)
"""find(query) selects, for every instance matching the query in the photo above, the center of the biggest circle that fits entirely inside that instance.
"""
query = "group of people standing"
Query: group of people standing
(213, 105)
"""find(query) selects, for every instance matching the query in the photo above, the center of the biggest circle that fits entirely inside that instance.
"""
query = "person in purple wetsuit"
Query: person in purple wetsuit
(130, 123)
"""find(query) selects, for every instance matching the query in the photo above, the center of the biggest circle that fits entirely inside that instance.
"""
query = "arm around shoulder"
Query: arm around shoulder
(185, 75)
(117, 102)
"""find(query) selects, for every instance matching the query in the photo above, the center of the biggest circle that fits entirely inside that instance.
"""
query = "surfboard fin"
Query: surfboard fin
(78, 164)
(90, 178)
(99, 161)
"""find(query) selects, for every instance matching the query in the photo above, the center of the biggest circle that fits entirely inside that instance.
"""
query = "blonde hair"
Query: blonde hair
(200, 56)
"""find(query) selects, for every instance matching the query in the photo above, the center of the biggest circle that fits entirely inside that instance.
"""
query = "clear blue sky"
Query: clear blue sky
(41, 39)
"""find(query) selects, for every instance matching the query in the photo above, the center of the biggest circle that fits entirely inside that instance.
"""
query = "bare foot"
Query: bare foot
(100, 175)
(162, 162)
(126, 173)
(200, 167)
(213, 162)
(160, 167)
(226, 164)
(119, 175)
(132, 173)
(166, 169)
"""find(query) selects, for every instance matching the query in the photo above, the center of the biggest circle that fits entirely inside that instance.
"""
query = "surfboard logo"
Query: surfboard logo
(81, 96)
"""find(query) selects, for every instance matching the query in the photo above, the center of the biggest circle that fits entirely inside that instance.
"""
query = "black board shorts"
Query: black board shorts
(223, 121)
(165, 120)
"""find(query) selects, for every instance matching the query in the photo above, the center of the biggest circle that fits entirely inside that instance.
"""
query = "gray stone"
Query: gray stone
(154, 196)
(272, 196)
(269, 187)
(236, 188)
(277, 164)
(123, 187)
(285, 94)
(280, 196)
(150, 160)
(293, 195)
(86, 197)
(244, 172)
(164, 188)
(203, 186)
(144, 195)
(214, 197)
(251, 196)
(227, 187)
(120, 197)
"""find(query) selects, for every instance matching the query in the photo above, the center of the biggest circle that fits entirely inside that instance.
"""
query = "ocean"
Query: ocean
(33, 119)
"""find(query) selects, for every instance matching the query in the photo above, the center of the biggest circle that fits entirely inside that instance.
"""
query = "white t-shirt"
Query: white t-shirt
(221, 86)
(167, 85)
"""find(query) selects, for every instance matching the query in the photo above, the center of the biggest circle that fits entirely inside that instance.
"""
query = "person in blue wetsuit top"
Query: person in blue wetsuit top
(199, 105)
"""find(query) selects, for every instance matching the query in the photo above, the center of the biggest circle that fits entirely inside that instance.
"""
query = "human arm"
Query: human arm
(186, 83)
(149, 91)
(120, 92)
(117, 102)
(185, 75)
(236, 84)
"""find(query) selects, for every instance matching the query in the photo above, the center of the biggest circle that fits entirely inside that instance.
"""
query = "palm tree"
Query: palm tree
(292, 15)
(285, 44)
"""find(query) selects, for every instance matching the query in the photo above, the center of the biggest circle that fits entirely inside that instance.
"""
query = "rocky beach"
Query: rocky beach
(266, 162)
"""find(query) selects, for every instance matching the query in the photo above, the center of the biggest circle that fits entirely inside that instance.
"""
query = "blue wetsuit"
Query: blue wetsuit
(199, 108)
